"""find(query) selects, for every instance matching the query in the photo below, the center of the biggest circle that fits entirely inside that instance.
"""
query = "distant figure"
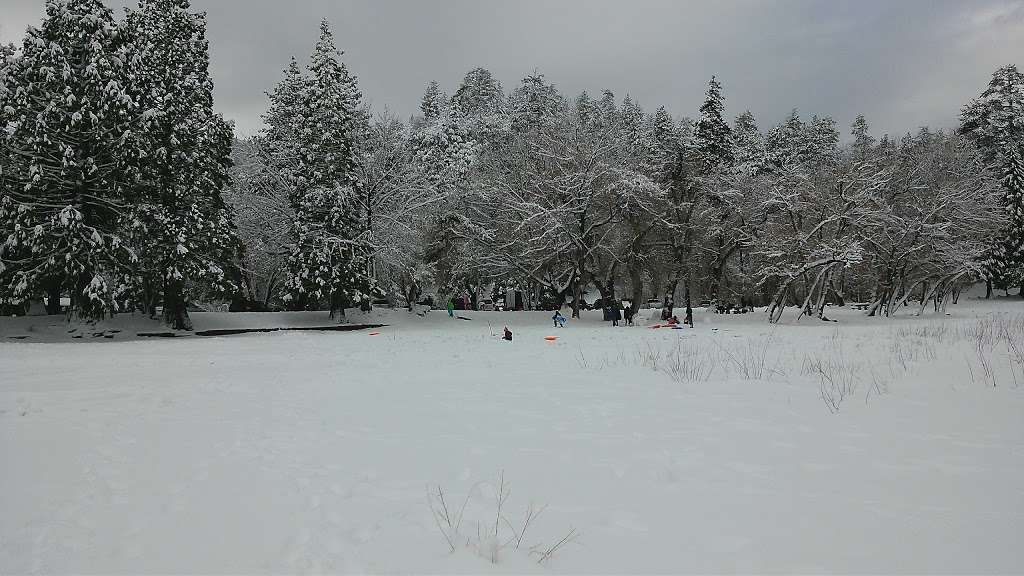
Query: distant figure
(451, 308)
(508, 334)
(688, 319)
(616, 315)
(629, 315)
(673, 321)
(558, 319)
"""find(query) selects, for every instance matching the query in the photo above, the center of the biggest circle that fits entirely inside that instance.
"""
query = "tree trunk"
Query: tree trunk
(637, 282)
(53, 298)
(81, 304)
(609, 285)
(840, 300)
(669, 301)
(175, 307)
(473, 296)
(689, 305)
(577, 295)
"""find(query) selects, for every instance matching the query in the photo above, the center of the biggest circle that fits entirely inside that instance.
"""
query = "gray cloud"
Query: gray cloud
(903, 64)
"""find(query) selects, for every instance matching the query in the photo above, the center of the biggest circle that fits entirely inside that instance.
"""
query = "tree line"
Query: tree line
(122, 188)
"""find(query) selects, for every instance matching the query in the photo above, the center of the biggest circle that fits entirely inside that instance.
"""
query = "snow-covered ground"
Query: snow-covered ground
(871, 445)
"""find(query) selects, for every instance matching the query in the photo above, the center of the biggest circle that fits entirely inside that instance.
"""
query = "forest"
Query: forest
(124, 190)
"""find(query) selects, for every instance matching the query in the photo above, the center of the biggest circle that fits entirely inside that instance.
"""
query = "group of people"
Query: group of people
(613, 313)
(616, 314)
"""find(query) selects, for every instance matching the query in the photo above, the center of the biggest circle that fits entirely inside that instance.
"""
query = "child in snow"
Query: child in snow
(558, 319)
(628, 312)
(451, 308)
(616, 315)
(508, 334)
(688, 319)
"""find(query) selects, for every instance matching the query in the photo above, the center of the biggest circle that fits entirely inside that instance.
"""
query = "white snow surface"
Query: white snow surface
(299, 452)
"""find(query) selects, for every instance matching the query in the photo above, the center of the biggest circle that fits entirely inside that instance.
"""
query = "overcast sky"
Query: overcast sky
(901, 63)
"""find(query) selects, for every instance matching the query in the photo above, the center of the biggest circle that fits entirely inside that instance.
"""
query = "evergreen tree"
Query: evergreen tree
(71, 133)
(823, 139)
(444, 148)
(1007, 263)
(862, 139)
(636, 131)
(279, 141)
(788, 143)
(995, 121)
(667, 143)
(536, 104)
(277, 145)
(587, 110)
(712, 136)
(607, 109)
(750, 148)
(331, 257)
(480, 93)
(433, 101)
(180, 223)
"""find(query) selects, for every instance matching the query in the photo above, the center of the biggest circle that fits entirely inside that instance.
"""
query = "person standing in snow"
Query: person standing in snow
(451, 308)
(558, 319)
(628, 312)
(688, 318)
(616, 314)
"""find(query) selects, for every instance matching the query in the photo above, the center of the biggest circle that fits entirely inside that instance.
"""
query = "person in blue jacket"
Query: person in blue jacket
(558, 319)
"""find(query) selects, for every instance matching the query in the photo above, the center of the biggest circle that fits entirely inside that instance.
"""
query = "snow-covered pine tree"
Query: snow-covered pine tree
(278, 144)
(535, 104)
(995, 120)
(331, 257)
(180, 225)
(264, 194)
(433, 101)
(479, 94)
(443, 152)
(713, 148)
(1008, 263)
(606, 105)
(444, 147)
(667, 144)
(712, 137)
(71, 127)
(788, 143)
(751, 154)
(640, 200)
(823, 139)
(995, 123)
(862, 139)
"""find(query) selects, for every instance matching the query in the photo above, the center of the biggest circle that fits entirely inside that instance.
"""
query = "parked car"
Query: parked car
(486, 304)
(654, 303)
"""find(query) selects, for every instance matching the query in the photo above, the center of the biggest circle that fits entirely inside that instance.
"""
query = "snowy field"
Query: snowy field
(871, 445)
